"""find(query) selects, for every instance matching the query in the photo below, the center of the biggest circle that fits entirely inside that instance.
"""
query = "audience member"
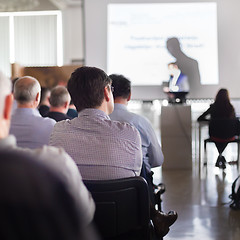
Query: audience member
(59, 102)
(35, 202)
(151, 149)
(57, 160)
(72, 112)
(44, 104)
(103, 149)
(14, 105)
(221, 108)
(27, 125)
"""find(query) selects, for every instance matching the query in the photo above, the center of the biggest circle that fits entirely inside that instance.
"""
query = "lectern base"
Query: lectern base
(176, 136)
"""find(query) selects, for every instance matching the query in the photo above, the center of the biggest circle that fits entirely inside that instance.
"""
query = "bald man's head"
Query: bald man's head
(26, 89)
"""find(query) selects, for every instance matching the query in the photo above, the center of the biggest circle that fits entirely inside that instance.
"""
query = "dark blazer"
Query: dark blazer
(43, 110)
(57, 116)
(72, 113)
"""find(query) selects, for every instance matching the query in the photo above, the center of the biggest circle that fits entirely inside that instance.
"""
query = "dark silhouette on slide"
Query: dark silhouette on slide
(187, 65)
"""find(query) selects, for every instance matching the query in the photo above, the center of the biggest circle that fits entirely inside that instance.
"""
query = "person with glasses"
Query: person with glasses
(151, 149)
(103, 149)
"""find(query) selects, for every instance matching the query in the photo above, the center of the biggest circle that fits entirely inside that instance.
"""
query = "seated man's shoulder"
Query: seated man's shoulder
(45, 153)
(139, 120)
(124, 128)
(132, 118)
(50, 151)
(57, 159)
(47, 120)
(64, 124)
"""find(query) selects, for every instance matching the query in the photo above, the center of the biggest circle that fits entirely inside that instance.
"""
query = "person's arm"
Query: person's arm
(206, 113)
(138, 152)
(233, 113)
(154, 150)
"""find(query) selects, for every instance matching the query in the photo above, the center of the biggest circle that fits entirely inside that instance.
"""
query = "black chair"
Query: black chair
(122, 208)
(34, 202)
(222, 132)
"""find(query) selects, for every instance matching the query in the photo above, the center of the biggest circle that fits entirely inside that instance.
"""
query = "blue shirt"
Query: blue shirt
(181, 82)
(151, 149)
(30, 128)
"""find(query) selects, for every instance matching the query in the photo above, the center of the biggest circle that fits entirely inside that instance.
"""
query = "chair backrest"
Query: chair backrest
(122, 208)
(224, 128)
(34, 202)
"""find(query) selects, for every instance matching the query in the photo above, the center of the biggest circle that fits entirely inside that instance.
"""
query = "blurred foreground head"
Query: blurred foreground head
(35, 203)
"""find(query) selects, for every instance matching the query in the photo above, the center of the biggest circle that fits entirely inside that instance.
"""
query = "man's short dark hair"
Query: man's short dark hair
(122, 86)
(86, 87)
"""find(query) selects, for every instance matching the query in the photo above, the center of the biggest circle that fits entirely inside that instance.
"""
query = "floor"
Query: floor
(202, 204)
(200, 195)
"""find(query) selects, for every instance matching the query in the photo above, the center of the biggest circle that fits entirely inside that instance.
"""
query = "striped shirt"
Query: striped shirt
(102, 149)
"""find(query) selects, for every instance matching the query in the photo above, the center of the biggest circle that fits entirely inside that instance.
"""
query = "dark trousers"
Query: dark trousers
(148, 176)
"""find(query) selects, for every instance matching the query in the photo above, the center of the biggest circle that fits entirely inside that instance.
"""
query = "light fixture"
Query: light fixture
(17, 5)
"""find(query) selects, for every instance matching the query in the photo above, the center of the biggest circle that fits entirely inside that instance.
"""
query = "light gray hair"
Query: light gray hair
(59, 96)
(26, 89)
(5, 89)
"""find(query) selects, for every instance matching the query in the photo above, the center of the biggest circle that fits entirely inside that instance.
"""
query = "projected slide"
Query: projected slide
(144, 38)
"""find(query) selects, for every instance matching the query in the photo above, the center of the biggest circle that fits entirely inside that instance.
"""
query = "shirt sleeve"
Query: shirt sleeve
(154, 150)
(206, 113)
(138, 152)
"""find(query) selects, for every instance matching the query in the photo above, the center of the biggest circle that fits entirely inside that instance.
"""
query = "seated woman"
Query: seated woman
(220, 109)
(222, 126)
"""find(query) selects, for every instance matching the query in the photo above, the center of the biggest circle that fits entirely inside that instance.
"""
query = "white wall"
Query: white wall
(72, 34)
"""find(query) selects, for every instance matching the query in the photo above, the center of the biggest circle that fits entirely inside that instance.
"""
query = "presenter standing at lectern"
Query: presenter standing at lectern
(178, 85)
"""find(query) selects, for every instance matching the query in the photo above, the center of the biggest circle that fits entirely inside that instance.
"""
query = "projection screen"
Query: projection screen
(138, 39)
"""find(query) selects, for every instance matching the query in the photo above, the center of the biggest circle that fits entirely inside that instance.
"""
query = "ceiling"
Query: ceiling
(61, 4)
(52, 4)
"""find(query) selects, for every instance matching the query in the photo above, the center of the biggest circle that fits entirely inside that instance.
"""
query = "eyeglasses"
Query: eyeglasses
(111, 87)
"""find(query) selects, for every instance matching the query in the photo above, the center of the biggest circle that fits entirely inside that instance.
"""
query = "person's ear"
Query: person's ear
(129, 97)
(106, 94)
(8, 107)
(66, 105)
(37, 99)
